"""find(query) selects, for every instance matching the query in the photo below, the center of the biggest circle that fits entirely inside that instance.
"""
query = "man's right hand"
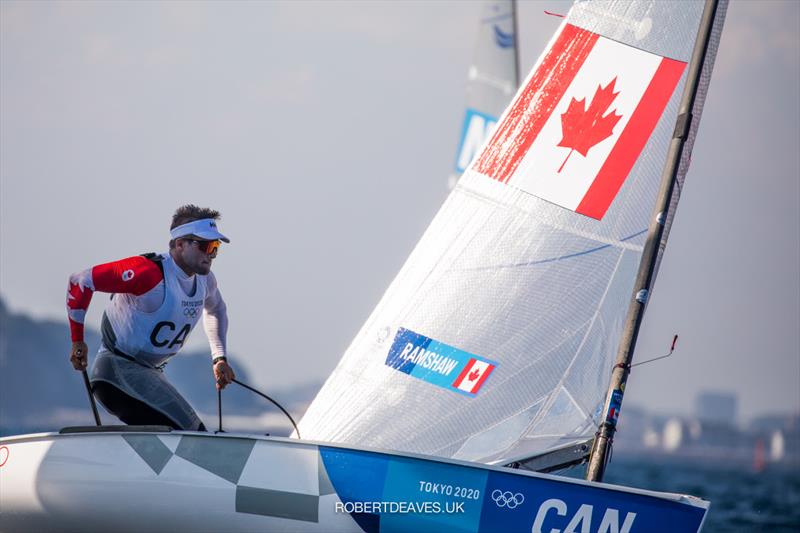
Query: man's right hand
(79, 356)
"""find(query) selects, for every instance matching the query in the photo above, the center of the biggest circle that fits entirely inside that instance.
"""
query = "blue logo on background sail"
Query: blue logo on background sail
(438, 363)
(476, 129)
(503, 40)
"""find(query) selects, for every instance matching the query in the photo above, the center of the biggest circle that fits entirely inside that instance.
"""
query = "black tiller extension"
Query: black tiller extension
(91, 398)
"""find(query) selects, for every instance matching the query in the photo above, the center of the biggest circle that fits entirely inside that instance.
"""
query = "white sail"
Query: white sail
(496, 340)
(492, 80)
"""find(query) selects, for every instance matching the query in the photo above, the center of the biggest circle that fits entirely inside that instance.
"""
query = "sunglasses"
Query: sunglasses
(207, 247)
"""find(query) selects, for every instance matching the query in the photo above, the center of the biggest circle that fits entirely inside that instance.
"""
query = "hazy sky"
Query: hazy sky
(325, 131)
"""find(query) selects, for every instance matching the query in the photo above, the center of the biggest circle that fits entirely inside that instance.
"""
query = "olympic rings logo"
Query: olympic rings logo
(190, 312)
(507, 499)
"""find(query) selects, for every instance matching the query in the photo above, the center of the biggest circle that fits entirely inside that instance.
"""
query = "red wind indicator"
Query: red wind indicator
(583, 128)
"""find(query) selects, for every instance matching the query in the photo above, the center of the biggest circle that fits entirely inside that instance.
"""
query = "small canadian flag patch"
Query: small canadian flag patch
(472, 377)
(575, 130)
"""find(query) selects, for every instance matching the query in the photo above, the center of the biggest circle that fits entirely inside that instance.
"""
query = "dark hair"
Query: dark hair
(189, 213)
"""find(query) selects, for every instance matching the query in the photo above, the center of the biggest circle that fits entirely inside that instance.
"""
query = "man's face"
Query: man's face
(194, 256)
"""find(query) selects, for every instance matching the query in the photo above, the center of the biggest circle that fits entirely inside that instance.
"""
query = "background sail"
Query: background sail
(492, 80)
(527, 294)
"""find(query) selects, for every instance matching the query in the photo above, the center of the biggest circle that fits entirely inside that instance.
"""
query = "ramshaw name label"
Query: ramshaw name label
(438, 363)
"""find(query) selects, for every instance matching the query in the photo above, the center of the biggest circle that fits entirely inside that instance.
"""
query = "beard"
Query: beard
(202, 269)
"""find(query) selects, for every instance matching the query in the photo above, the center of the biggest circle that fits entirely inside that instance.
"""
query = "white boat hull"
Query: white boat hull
(185, 481)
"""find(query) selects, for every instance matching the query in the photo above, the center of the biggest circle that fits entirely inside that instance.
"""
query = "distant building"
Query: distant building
(789, 423)
(717, 408)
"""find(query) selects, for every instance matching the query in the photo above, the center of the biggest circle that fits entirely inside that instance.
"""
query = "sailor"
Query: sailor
(156, 301)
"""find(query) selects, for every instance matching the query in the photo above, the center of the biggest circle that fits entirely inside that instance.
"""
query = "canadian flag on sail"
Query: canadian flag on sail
(574, 132)
(472, 377)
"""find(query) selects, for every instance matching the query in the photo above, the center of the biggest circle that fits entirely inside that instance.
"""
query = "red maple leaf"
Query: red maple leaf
(582, 128)
(473, 375)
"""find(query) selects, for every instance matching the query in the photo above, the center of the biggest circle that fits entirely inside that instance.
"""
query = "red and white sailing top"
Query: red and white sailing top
(152, 312)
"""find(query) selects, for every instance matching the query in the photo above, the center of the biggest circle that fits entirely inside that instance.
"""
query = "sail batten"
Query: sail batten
(496, 340)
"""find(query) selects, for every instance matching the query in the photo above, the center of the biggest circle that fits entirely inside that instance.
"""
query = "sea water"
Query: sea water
(742, 499)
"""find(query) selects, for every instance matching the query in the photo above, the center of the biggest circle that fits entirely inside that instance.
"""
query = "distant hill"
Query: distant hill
(39, 390)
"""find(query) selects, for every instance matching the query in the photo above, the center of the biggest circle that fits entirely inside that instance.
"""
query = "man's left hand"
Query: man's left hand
(223, 374)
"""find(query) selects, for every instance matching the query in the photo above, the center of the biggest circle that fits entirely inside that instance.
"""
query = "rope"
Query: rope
(248, 387)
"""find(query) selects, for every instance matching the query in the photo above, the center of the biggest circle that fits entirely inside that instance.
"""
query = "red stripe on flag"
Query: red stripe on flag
(631, 141)
(463, 373)
(485, 375)
(529, 112)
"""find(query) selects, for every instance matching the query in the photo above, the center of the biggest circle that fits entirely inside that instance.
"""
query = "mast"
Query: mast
(603, 441)
(515, 23)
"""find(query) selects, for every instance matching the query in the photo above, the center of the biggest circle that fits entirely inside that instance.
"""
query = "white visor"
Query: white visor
(205, 228)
